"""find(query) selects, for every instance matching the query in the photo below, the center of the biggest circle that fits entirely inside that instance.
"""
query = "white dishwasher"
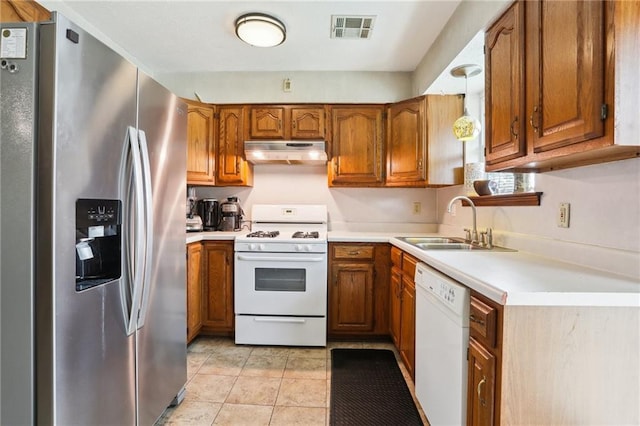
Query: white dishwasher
(442, 338)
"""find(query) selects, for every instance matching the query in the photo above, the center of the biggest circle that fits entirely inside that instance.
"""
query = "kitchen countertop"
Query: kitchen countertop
(510, 278)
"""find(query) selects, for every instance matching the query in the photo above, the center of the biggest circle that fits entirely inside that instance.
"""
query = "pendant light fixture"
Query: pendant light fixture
(466, 128)
(258, 29)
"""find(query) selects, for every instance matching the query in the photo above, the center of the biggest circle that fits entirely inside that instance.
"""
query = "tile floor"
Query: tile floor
(259, 385)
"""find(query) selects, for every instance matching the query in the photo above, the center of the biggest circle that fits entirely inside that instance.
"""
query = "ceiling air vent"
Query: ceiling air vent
(351, 27)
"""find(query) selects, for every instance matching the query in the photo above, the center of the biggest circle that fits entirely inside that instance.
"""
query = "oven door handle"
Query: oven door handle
(280, 259)
(290, 320)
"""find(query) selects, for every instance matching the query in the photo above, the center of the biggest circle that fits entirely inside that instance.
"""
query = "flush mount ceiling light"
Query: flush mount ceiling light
(466, 127)
(258, 29)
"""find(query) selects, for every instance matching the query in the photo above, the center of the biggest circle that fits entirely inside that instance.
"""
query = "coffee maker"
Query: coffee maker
(230, 215)
(194, 221)
(209, 212)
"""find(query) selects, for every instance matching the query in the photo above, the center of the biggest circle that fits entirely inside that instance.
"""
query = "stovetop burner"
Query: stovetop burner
(301, 234)
(263, 234)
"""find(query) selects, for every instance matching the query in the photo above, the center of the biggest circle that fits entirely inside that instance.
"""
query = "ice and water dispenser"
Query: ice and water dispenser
(98, 242)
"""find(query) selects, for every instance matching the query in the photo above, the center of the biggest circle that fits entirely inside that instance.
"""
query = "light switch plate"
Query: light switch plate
(563, 215)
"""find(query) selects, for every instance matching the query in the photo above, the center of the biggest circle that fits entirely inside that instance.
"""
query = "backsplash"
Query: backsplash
(604, 221)
(351, 209)
(604, 225)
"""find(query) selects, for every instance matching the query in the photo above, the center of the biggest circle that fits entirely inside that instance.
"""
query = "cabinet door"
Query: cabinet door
(505, 137)
(194, 290)
(565, 72)
(22, 11)
(200, 144)
(307, 123)
(395, 305)
(444, 151)
(267, 123)
(406, 143)
(408, 324)
(232, 168)
(480, 386)
(357, 149)
(351, 297)
(218, 309)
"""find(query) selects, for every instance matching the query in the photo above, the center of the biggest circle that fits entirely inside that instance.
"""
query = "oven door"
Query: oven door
(280, 284)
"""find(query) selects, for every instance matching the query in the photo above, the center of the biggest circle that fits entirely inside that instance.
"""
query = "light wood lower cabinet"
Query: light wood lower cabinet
(358, 285)
(218, 287)
(485, 360)
(481, 385)
(402, 306)
(194, 290)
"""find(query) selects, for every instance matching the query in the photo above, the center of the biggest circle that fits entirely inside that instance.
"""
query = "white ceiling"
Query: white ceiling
(198, 36)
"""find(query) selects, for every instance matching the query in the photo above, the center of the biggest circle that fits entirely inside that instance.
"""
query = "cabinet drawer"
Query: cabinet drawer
(352, 252)
(482, 321)
(409, 265)
(396, 257)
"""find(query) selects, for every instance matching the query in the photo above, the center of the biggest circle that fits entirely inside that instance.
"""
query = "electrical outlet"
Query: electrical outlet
(417, 207)
(563, 215)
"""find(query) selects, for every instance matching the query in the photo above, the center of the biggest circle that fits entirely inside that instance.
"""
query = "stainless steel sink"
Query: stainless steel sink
(447, 243)
(449, 246)
(430, 240)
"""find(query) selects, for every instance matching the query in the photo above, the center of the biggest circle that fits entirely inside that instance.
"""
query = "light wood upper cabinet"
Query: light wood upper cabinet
(307, 122)
(406, 143)
(232, 169)
(266, 123)
(421, 147)
(200, 144)
(22, 11)
(504, 87)
(357, 146)
(565, 72)
(280, 122)
(558, 79)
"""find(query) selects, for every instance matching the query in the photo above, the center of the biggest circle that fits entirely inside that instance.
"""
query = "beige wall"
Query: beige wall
(470, 17)
(267, 87)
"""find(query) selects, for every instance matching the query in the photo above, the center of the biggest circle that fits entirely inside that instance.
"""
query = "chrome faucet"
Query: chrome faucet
(474, 232)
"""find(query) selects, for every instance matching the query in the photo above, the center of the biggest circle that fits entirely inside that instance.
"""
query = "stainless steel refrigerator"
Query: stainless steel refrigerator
(92, 190)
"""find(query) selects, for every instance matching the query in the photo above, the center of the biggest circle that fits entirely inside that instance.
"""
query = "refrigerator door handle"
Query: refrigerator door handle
(134, 207)
(148, 212)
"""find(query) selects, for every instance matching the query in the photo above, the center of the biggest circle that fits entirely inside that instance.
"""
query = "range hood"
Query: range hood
(286, 152)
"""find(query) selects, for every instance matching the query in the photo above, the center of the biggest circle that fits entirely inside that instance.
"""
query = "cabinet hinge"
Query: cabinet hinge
(216, 115)
(484, 49)
(467, 353)
(604, 111)
(485, 151)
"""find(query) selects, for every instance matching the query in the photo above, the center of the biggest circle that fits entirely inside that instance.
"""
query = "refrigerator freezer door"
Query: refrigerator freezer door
(162, 334)
(85, 360)
(17, 231)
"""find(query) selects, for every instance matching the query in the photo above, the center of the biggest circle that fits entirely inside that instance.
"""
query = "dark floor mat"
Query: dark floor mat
(367, 388)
